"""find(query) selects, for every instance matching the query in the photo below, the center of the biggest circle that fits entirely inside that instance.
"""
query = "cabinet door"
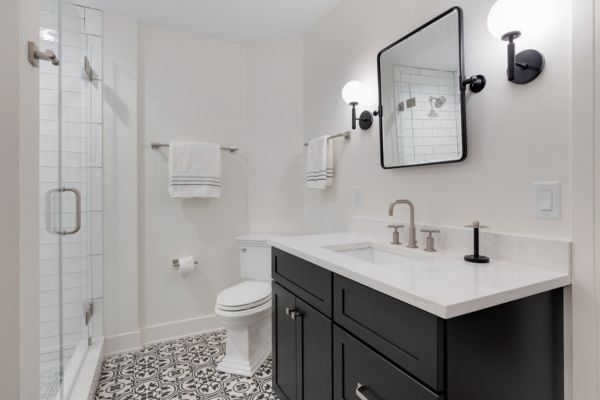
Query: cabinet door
(284, 344)
(315, 373)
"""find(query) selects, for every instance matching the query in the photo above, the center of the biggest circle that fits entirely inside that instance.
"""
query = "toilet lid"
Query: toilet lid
(244, 296)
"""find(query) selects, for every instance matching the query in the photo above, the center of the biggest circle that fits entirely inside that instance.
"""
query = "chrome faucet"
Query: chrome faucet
(412, 230)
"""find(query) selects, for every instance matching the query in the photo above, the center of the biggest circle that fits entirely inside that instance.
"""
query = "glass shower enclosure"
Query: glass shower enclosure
(70, 190)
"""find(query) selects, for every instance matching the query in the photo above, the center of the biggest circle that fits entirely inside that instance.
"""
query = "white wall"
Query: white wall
(191, 88)
(586, 202)
(29, 295)
(517, 135)
(19, 291)
(120, 144)
(273, 138)
(9, 175)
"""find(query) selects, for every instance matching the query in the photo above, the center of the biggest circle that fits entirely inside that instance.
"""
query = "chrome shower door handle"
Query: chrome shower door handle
(50, 211)
(359, 390)
(77, 227)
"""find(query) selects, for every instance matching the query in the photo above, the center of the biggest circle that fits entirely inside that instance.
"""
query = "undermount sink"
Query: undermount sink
(379, 254)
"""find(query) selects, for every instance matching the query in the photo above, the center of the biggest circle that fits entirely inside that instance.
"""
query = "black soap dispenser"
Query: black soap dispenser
(476, 257)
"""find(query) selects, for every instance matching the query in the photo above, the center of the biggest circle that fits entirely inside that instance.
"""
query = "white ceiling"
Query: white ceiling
(236, 20)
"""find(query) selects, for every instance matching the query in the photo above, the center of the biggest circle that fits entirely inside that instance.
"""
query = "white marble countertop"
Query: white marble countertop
(440, 283)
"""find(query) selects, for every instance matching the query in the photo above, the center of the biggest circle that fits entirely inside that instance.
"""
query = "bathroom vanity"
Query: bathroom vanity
(355, 319)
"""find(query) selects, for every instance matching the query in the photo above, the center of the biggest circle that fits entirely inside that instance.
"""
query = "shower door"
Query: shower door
(70, 184)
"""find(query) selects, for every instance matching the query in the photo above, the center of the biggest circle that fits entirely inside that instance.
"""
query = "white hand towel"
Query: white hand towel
(194, 170)
(319, 163)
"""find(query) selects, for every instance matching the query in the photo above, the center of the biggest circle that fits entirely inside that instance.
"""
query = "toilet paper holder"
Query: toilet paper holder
(176, 263)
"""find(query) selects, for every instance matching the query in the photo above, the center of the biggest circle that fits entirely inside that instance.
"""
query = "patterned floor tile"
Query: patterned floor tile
(183, 369)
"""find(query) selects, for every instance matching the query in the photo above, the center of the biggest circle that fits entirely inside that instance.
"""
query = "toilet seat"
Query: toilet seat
(245, 296)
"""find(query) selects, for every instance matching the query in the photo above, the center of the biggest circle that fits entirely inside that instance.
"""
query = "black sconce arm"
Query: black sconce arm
(525, 66)
(365, 120)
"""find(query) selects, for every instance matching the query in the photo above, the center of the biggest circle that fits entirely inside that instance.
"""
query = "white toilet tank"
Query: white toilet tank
(255, 256)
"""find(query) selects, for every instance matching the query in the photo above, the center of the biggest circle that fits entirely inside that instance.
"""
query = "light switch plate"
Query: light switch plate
(547, 200)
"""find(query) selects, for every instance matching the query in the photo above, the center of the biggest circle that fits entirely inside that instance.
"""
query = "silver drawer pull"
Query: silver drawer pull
(289, 311)
(359, 390)
(296, 314)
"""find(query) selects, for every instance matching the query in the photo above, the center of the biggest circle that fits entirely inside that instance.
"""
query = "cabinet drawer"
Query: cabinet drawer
(310, 282)
(356, 366)
(411, 338)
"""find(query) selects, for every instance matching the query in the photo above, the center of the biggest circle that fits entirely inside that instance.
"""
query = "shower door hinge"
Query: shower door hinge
(87, 66)
(89, 311)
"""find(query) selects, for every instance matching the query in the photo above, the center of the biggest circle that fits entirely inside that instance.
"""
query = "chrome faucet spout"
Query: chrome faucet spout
(412, 230)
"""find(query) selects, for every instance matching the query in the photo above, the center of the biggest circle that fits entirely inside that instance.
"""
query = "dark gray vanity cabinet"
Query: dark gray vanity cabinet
(302, 329)
(301, 348)
(347, 341)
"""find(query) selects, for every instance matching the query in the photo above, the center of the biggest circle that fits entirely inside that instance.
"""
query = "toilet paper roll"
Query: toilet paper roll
(186, 265)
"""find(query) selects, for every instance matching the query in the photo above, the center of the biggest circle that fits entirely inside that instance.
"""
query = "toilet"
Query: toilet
(245, 309)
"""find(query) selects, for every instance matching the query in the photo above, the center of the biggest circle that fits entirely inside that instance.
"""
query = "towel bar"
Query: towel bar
(156, 146)
(345, 135)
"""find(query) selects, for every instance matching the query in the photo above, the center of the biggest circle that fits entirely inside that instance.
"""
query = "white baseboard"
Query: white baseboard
(124, 342)
(131, 341)
(177, 329)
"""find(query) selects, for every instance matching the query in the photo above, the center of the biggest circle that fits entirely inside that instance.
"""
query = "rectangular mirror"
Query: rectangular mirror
(421, 101)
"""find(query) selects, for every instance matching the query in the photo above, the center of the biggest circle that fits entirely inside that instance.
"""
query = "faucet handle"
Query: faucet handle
(430, 246)
(396, 235)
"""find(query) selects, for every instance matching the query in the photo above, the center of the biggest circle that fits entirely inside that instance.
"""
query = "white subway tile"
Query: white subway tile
(96, 145)
(93, 22)
(420, 150)
(445, 149)
(94, 50)
(71, 23)
(48, 81)
(72, 69)
(49, 5)
(96, 189)
(70, 84)
(71, 114)
(50, 328)
(48, 20)
(48, 97)
(449, 140)
(48, 112)
(450, 123)
(96, 232)
(443, 132)
(432, 123)
(96, 102)
(97, 276)
(72, 39)
(428, 72)
(432, 140)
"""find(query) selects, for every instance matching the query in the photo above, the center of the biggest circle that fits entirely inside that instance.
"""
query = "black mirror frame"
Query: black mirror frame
(463, 86)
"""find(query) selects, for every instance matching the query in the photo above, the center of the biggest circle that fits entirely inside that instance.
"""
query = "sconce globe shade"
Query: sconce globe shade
(515, 15)
(353, 92)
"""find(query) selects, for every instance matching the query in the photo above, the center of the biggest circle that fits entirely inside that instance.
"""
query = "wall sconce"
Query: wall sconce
(505, 21)
(353, 93)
